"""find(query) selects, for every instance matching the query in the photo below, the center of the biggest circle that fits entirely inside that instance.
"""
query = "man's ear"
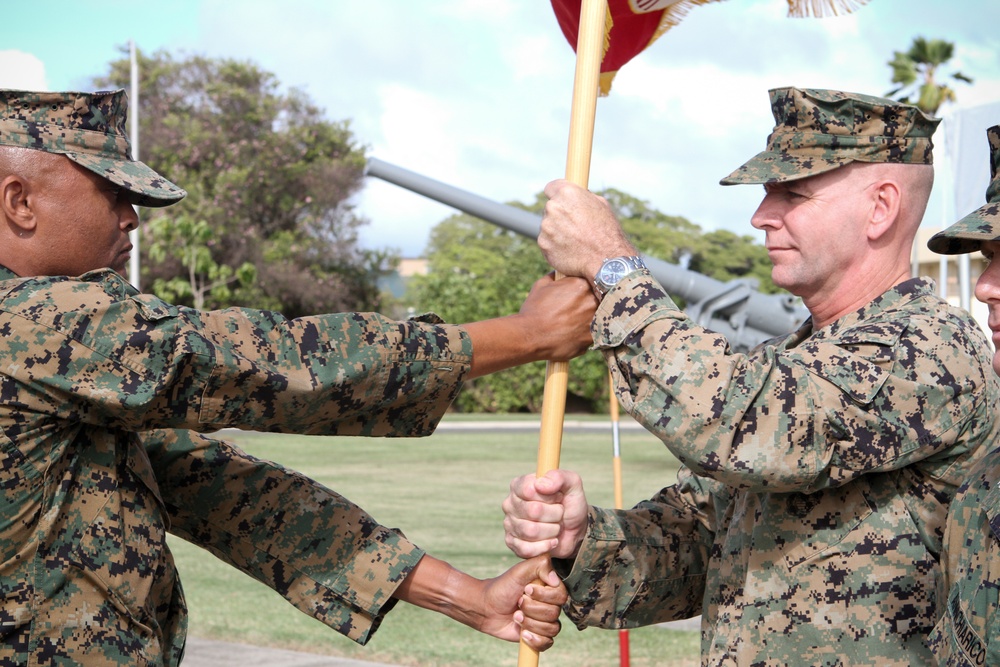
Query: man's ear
(15, 204)
(885, 206)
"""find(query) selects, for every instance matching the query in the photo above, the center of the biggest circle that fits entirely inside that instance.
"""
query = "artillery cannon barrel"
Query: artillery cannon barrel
(766, 315)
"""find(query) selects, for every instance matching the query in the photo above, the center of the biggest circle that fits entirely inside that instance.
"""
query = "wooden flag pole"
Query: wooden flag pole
(589, 53)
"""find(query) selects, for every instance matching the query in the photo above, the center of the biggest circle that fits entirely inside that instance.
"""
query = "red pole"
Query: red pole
(623, 648)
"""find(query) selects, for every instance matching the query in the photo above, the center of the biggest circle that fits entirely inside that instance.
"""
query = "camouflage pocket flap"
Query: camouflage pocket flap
(152, 308)
(858, 364)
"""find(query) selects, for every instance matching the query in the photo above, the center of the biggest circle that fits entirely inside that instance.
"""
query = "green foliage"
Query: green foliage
(189, 241)
(916, 73)
(267, 173)
(477, 271)
(668, 237)
(726, 256)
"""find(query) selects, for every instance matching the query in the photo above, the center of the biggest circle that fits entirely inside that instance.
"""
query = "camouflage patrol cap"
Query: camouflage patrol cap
(88, 128)
(983, 224)
(820, 130)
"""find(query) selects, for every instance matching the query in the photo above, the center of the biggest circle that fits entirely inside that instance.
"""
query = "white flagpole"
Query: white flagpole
(133, 262)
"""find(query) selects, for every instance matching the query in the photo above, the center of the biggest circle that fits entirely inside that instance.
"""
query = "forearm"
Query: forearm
(356, 375)
(552, 324)
(500, 343)
(435, 585)
(799, 414)
(342, 373)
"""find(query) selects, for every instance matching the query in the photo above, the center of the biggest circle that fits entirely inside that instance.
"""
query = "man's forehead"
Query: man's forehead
(819, 182)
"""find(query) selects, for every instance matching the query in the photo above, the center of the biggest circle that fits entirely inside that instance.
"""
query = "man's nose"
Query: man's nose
(988, 285)
(766, 215)
(128, 218)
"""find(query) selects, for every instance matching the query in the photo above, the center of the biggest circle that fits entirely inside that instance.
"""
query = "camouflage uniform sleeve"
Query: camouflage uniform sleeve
(320, 551)
(648, 564)
(95, 351)
(877, 392)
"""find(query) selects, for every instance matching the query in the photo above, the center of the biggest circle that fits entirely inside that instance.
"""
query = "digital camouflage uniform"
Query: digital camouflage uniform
(91, 369)
(321, 552)
(806, 523)
(969, 630)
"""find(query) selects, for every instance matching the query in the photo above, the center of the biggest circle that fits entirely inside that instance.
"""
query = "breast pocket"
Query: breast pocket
(821, 522)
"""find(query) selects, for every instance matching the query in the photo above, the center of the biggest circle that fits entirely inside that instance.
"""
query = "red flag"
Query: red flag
(632, 25)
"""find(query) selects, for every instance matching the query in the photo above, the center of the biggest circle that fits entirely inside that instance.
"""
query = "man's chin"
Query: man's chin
(781, 279)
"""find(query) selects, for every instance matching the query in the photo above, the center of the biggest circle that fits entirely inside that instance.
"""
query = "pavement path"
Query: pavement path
(625, 423)
(212, 653)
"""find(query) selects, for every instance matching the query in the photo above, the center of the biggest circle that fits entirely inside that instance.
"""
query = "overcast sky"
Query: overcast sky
(477, 93)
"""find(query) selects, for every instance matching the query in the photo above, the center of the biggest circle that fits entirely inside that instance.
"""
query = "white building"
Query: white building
(962, 173)
(955, 275)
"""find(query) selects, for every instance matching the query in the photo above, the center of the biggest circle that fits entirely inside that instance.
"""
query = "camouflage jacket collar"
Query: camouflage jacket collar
(889, 301)
(112, 282)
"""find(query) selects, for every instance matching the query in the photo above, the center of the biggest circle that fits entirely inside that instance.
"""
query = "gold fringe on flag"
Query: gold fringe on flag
(676, 12)
(672, 15)
(822, 8)
(604, 79)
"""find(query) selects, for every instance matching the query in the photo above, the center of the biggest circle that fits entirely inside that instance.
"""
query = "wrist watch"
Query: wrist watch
(613, 270)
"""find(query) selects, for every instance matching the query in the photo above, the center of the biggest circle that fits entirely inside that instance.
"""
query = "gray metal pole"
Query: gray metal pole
(133, 262)
(745, 316)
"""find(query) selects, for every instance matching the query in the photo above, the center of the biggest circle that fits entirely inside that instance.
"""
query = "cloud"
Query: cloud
(22, 71)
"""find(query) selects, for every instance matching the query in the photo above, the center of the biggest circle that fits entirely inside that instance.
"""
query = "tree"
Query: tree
(916, 71)
(726, 256)
(266, 173)
(189, 242)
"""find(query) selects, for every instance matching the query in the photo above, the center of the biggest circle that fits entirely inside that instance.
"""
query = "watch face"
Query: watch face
(613, 271)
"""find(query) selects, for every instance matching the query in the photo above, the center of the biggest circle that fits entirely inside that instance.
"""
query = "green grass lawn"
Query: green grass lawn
(444, 492)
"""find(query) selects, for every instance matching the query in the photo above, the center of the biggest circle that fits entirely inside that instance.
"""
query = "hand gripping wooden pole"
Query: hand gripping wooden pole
(589, 53)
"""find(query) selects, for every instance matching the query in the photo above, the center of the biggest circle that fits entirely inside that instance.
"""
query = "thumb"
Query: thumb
(553, 482)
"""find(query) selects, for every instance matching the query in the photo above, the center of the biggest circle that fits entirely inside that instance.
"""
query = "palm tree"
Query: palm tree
(915, 72)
